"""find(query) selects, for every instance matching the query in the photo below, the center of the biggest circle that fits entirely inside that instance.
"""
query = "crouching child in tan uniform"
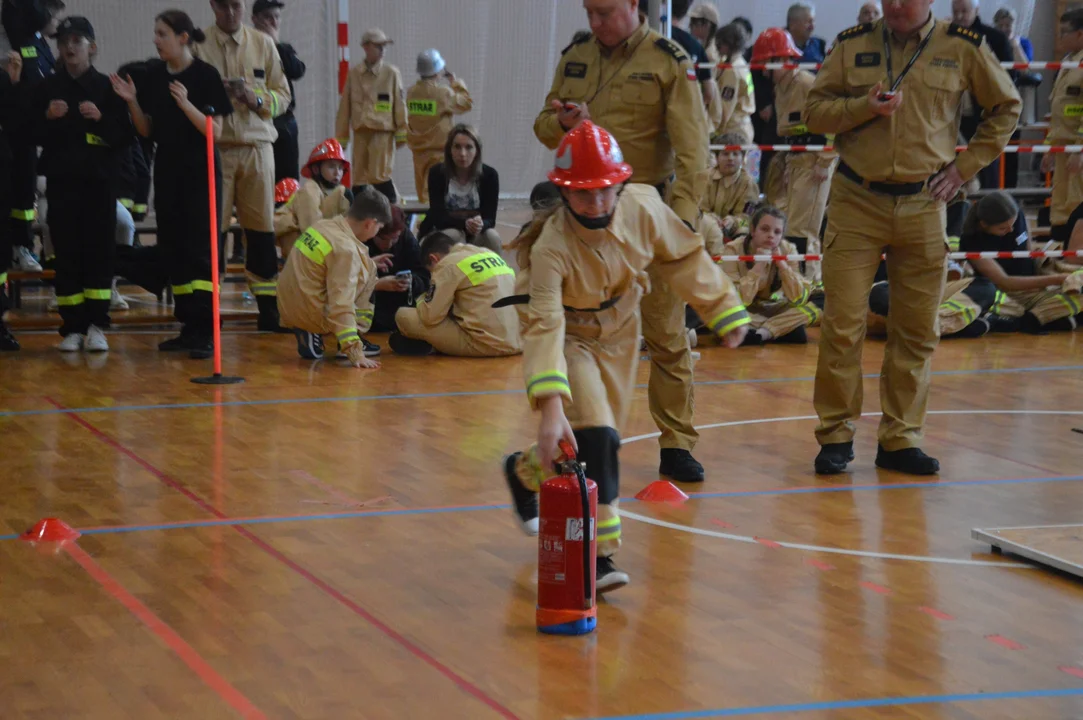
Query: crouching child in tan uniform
(327, 283)
(456, 316)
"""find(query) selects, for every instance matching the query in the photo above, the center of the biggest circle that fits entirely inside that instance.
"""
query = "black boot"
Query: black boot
(909, 461)
(834, 457)
(608, 576)
(679, 465)
(524, 502)
(268, 314)
(402, 345)
(794, 337)
(8, 343)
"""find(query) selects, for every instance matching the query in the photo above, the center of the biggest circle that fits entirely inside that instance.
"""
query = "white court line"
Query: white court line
(818, 548)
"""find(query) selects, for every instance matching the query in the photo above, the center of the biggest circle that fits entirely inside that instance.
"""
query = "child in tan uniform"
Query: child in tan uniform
(327, 283)
(431, 106)
(583, 269)
(775, 293)
(731, 194)
(456, 316)
(323, 194)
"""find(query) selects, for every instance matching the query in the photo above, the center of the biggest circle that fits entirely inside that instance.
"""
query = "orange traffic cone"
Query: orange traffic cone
(50, 530)
(662, 491)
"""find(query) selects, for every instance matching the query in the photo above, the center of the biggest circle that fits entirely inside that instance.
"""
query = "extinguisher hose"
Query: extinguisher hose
(588, 566)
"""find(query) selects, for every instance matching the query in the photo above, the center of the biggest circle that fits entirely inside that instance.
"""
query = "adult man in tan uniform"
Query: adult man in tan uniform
(456, 316)
(431, 105)
(642, 88)
(898, 169)
(1066, 128)
(373, 106)
(249, 64)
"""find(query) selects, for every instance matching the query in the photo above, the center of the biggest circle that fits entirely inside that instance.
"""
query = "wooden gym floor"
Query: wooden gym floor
(321, 542)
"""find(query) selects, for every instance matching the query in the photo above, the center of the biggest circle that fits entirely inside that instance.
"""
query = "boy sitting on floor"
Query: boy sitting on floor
(456, 316)
(327, 283)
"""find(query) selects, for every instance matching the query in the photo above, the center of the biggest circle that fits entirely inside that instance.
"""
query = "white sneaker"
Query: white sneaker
(71, 343)
(54, 306)
(95, 340)
(693, 338)
(22, 260)
(116, 300)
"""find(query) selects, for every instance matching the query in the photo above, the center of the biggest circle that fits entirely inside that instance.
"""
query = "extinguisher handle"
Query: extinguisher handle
(567, 449)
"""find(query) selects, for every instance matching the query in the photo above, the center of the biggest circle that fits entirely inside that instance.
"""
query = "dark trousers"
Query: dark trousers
(5, 230)
(83, 226)
(23, 191)
(184, 228)
(287, 158)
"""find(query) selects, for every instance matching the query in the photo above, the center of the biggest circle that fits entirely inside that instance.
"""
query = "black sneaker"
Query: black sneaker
(402, 345)
(201, 348)
(1001, 324)
(978, 328)
(371, 349)
(680, 466)
(309, 345)
(834, 457)
(909, 461)
(525, 502)
(794, 337)
(608, 576)
(181, 343)
(8, 343)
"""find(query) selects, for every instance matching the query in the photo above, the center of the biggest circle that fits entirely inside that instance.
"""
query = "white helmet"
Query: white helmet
(430, 63)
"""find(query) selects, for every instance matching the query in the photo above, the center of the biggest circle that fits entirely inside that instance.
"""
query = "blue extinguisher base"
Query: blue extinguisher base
(582, 626)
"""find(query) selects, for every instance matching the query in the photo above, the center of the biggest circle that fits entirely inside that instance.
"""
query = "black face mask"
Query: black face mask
(598, 223)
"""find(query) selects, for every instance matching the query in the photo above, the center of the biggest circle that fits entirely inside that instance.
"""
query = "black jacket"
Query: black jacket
(74, 147)
(294, 69)
(438, 217)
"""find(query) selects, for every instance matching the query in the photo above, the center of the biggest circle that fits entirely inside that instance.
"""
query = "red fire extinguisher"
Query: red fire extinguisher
(567, 542)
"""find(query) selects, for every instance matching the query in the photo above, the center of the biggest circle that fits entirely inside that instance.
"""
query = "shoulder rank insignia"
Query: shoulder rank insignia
(972, 36)
(578, 39)
(671, 48)
(855, 31)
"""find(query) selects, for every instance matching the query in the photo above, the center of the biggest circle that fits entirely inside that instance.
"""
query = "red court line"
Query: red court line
(767, 543)
(1071, 670)
(936, 613)
(461, 682)
(819, 564)
(878, 589)
(184, 651)
(1004, 642)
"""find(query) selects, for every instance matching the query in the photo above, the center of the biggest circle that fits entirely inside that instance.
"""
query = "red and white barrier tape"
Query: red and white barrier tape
(1036, 149)
(817, 66)
(1024, 254)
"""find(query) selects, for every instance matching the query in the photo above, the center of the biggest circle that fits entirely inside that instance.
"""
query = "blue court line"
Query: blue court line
(470, 393)
(276, 519)
(850, 704)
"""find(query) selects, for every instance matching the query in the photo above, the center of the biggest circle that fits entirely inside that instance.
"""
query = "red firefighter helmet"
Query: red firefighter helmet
(774, 43)
(285, 189)
(589, 158)
(329, 149)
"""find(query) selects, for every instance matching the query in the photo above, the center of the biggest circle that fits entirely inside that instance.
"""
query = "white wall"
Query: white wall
(505, 50)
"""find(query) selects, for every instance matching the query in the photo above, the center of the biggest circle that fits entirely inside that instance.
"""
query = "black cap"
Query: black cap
(265, 5)
(75, 25)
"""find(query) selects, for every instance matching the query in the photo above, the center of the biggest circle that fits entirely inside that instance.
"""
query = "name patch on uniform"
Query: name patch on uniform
(1073, 111)
(1073, 91)
(795, 116)
(422, 107)
(575, 70)
(949, 63)
(649, 77)
(869, 59)
(484, 266)
(728, 93)
(260, 73)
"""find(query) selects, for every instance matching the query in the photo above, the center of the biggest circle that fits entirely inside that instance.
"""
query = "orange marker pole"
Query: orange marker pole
(216, 309)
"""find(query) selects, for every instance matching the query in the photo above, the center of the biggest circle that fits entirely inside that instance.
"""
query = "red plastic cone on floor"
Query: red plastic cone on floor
(50, 530)
(661, 491)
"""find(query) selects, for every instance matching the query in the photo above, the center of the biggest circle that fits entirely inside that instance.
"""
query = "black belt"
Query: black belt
(881, 188)
(524, 299)
(805, 140)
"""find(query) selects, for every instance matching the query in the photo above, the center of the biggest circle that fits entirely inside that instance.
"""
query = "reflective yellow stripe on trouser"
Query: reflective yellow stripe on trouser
(3, 278)
(24, 215)
(98, 293)
(264, 289)
(608, 529)
(70, 300)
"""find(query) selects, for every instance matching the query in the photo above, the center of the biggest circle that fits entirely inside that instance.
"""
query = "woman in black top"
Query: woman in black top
(1027, 300)
(170, 107)
(464, 192)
